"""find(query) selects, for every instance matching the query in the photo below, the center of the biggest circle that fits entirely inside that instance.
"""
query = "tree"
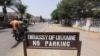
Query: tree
(54, 15)
(67, 9)
(19, 9)
(42, 19)
(87, 6)
(28, 16)
(4, 4)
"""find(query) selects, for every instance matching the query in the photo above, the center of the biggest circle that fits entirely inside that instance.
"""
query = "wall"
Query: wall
(88, 24)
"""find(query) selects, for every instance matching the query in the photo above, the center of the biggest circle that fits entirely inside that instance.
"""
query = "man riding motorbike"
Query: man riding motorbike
(15, 24)
(18, 27)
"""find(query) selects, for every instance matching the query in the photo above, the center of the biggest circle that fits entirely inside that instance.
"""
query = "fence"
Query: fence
(88, 24)
(95, 26)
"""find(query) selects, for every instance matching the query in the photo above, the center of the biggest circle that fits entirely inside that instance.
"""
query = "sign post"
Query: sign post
(52, 40)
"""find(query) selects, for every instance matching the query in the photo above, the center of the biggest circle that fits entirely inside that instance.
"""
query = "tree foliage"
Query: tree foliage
(54, 15)
(67, 9)
(7, 2)
(19, 8)
(28, 15)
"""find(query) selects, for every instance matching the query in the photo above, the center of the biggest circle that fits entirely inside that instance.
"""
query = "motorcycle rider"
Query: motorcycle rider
(16, 26)
(24, 24)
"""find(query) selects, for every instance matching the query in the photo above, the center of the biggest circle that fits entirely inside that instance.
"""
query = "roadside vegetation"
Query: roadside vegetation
(68, 10)
(17, 6)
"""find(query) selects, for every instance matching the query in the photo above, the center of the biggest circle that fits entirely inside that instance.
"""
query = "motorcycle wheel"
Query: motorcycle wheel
(17, 38)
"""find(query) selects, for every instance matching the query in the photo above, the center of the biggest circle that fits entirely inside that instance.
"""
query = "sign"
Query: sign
(52, 40)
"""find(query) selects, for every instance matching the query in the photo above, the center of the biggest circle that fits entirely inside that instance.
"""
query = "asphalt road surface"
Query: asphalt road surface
(9, 47)
(7, 41)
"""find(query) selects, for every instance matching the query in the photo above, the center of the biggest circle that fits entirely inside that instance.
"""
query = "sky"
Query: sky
(42, 8)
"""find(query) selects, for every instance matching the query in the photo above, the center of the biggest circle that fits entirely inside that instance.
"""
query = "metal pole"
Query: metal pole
(79, 48)
(24, 47)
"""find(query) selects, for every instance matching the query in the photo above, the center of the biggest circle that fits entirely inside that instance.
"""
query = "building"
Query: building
(34, 19)
(10, 15)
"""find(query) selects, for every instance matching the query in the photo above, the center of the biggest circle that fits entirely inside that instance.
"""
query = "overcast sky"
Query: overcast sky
(40, 7)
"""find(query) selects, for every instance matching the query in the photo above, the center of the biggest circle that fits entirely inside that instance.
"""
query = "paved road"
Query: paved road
(7, 42)
(90, 42)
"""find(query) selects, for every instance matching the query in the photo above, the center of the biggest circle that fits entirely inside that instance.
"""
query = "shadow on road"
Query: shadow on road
(16, 44)
(3, 31)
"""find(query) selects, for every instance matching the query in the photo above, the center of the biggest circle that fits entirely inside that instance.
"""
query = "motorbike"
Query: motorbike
(19, 34)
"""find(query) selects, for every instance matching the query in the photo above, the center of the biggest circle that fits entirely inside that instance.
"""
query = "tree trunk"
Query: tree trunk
(5, 13)
(21, 17)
